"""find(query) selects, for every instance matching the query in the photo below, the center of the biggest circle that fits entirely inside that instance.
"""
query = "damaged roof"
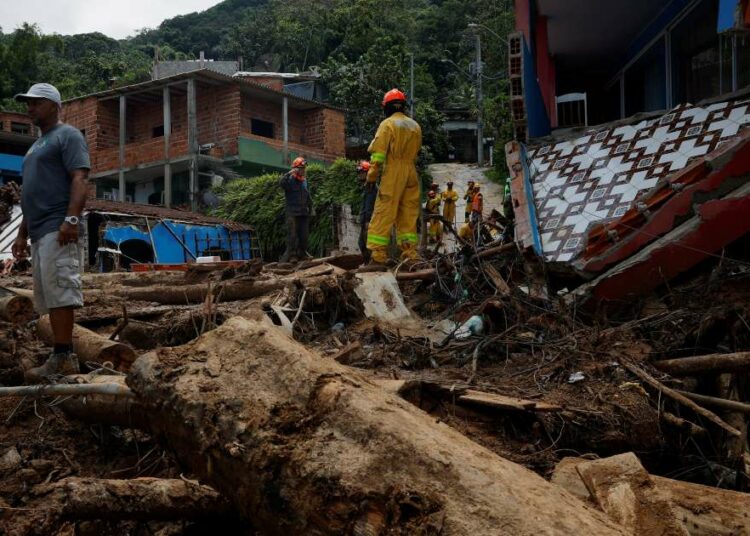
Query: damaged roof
(603, 176)
(161, 213)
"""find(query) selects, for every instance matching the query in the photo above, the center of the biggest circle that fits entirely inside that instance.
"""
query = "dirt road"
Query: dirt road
(461, 174)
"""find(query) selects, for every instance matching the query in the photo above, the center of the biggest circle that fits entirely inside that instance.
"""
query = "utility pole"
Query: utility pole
(480, 124)
(411, 84)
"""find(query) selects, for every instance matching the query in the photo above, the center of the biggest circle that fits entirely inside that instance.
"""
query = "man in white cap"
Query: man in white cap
(55, 175)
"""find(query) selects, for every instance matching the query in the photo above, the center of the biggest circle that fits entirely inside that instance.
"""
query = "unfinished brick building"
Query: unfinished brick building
(167, 140)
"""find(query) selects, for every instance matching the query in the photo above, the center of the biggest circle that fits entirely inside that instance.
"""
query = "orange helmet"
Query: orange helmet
(299, 162)
(431, 194)
(364, 165)
(393, 95)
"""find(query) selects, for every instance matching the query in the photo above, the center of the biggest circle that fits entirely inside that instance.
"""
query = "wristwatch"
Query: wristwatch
(73, 220)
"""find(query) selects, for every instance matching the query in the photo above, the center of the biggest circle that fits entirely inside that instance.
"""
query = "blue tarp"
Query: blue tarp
(11, 162)
(537, 119)
(200, 240)
(727, 13)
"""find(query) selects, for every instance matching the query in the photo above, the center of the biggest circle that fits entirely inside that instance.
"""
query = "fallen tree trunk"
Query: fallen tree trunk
(139, 499)
(90, 346)
(303, 445)
(96, 408)
(691, 366)
(703, 511)
(16, 309)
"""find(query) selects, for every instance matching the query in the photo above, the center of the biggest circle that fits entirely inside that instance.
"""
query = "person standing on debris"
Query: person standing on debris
(432, 207)
(368, 206)
(394, 151)
(469, 198)
(450, 196)
(477, 204)
(299, 208)
(55, 183)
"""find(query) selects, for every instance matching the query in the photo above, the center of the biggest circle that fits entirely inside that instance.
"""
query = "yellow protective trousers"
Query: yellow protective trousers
(395, 148)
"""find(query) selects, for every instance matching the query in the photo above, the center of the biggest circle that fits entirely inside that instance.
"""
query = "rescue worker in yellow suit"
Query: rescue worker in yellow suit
(435, 225)
(469, 198)
(450, 196)
(394, 151)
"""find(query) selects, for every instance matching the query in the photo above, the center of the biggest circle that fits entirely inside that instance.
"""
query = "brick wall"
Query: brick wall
(271, 112)
(223, 115)
(6, 118)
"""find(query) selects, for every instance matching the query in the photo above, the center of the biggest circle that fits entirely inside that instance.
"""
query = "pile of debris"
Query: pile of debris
(320, 399)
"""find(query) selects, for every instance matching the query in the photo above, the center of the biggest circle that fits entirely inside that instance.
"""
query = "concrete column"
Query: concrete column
(285, 129)
(123, 131)
(167, 135)
(192, 141)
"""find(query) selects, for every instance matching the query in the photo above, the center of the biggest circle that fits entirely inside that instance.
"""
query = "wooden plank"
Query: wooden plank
(722, 403)
(502, 402)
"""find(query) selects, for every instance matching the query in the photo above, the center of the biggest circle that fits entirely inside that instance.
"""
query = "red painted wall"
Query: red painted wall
(545, 69)
(523, 19)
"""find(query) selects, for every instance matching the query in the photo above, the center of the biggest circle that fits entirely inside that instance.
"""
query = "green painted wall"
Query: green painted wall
(257, 157)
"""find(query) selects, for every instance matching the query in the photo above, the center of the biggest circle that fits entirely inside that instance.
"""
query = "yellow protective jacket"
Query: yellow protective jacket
(394, 150)
(449, 206)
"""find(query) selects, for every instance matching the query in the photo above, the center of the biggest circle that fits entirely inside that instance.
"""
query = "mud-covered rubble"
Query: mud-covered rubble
(540, 381)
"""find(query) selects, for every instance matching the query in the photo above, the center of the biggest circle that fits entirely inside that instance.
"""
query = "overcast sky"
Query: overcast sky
(115, 18)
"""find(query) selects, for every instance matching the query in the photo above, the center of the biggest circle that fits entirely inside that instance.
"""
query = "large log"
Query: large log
(303, 445)
(702, 510)
(691, 366)
(90, 346)
(16, 309)
(722, 403)
(139, 498)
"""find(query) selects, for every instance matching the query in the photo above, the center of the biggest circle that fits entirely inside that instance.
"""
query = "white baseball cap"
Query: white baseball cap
(41, 91)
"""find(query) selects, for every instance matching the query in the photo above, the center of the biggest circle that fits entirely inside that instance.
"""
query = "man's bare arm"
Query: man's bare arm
(78, 191)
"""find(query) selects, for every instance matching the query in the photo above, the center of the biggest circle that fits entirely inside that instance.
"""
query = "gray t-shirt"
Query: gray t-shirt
(45, 194)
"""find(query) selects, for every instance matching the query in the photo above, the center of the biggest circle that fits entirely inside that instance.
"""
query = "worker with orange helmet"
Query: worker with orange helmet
(477, 204)
(299, 208)
(394, 152)
(368, 206)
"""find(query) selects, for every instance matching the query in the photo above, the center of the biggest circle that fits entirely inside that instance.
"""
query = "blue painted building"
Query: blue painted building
(121, 234)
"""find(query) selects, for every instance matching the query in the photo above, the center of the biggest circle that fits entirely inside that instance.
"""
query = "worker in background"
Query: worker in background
(450, 196)
(467, 232)
(469, 198)
(432, 207)
(394, 152)
(477, 204)
(299, 208)
(370, 192)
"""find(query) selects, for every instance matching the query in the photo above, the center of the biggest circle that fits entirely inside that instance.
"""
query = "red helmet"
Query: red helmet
(299, 162)
(364, 165)
(431, 194)
(393, 96)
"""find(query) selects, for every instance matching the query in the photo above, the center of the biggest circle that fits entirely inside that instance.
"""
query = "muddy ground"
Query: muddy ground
(535, 348)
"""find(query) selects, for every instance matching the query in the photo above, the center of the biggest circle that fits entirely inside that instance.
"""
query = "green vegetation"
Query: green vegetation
(260, 202)
(360, 47)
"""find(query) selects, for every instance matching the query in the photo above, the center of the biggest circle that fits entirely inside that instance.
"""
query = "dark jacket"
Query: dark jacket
(298, 198)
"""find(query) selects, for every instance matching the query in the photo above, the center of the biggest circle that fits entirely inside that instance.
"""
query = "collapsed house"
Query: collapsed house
(624, 206)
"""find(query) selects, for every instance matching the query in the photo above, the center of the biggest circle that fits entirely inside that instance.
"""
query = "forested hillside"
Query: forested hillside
(361, 47)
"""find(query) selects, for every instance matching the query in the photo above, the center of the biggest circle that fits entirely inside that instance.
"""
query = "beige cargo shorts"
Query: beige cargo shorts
(57, 274)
